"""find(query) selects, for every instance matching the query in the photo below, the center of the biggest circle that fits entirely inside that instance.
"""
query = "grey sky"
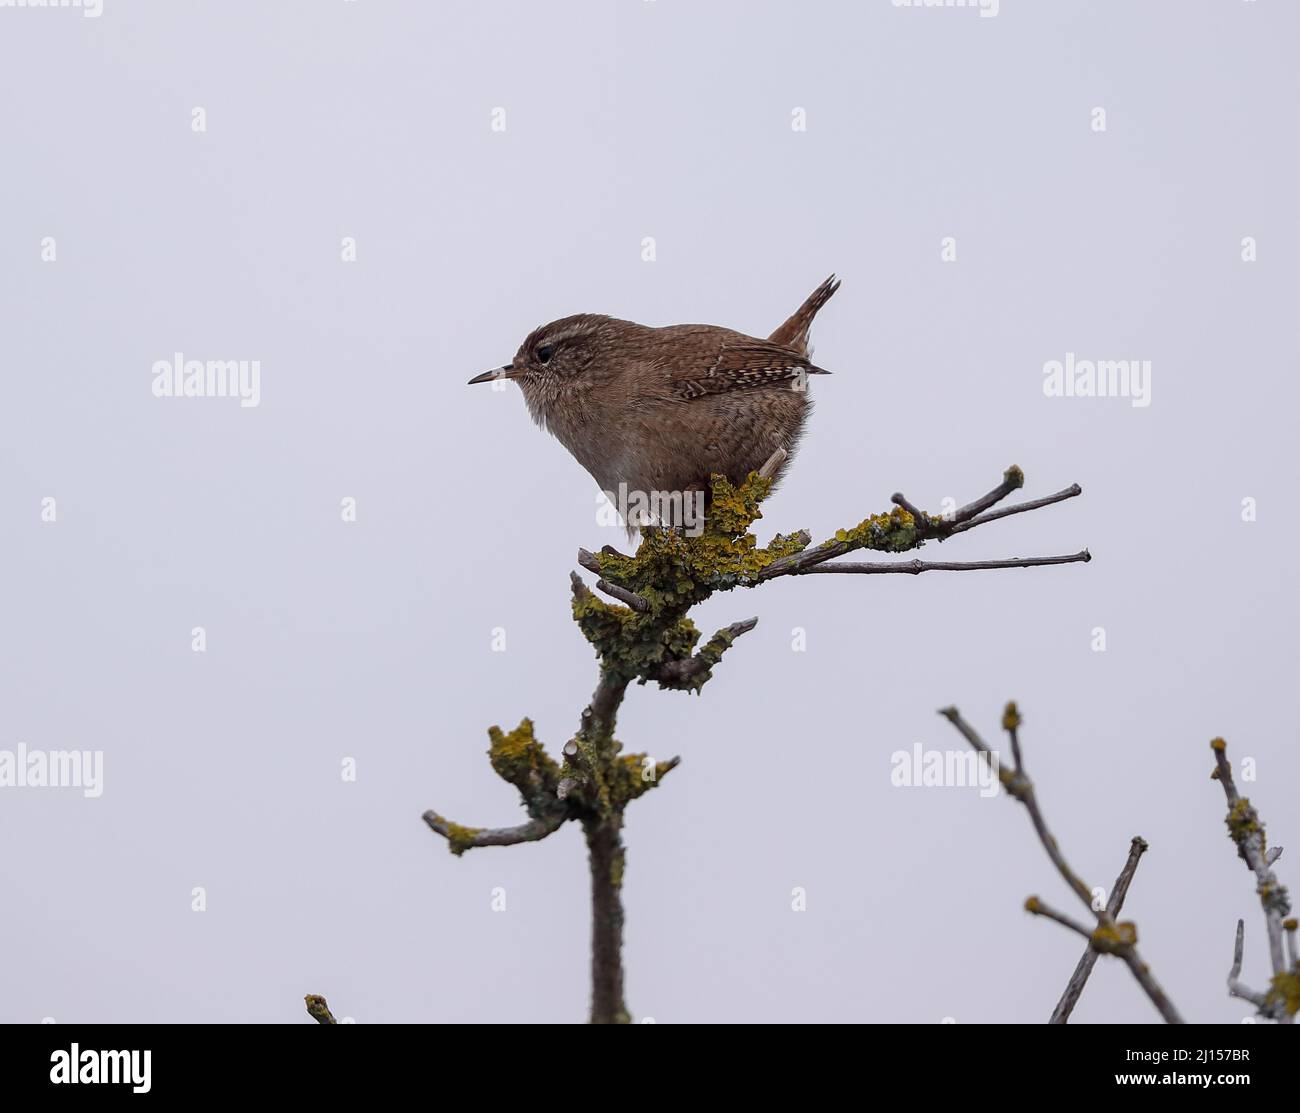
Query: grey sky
(628, 119)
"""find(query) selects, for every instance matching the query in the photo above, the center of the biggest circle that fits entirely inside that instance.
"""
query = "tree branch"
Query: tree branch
(772, 463)
(650, 637)
(1079, 979)
(1038, 908)
(318, 1009)
(607, 858)
(888, 533)
(1246, 829)
(1012, 480)
(630, 598)
(1109, 936)
(690, 673)
(1235, 988)
(915, 567)
(1020, 508)
(460, 839)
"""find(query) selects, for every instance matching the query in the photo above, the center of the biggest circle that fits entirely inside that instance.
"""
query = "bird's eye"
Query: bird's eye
(545, 352)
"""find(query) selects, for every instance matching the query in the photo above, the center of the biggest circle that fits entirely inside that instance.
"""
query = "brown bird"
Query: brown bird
(661, 409)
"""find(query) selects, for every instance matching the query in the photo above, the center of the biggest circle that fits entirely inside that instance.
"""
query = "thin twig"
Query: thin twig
(915, 567)
(1152, 988)
(1079, 979)
(1012, 480)
(927, 528)
(631, 598)
(1235, 988)
(1038, 908)
(1011, 724)
(1021, 787)
(772, 463)
(899, 499)
(1020, 508)
(461, 839)
(1110, 937)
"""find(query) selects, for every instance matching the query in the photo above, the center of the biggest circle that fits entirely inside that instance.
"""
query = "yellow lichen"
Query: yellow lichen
(1110, 939)
(1284, 989)
(460, 839)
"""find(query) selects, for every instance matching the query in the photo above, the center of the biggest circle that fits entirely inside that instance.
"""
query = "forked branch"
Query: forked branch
(1108, 936)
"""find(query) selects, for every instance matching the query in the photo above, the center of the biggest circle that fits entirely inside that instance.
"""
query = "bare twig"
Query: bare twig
(1110, 936)
(1079, 979)
(1235, 988)
(461, 839)
(1011, 724)
(1012, 480)
(915, 567)
(899, 499)
(1021, 788)
(631, 598)
(1142, 975)
(1038, 908)
(1019, 508)
(772, 463)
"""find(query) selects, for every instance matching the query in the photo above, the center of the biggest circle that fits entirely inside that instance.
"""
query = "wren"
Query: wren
(662, 409)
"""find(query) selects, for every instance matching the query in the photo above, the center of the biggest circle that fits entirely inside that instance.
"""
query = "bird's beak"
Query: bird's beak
(507, 372)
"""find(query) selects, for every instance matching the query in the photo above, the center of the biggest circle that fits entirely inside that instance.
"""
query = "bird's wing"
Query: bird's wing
(743, 363)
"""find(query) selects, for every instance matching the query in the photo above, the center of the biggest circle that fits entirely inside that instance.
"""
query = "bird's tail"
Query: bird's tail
(794, 333)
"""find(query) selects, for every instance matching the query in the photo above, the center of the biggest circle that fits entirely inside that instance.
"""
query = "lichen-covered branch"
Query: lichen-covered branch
(606, 857)
(690, 673)
(1109, 936)
(1246, 830)
(460, 838)
(1079, 979)
(519, 759)
(646, 635)
(318, 1009)
(907, 527)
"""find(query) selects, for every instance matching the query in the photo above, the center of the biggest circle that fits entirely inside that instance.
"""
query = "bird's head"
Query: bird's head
(557, 355)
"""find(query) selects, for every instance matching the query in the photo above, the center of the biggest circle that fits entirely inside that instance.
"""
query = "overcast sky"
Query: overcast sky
(760, 145)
